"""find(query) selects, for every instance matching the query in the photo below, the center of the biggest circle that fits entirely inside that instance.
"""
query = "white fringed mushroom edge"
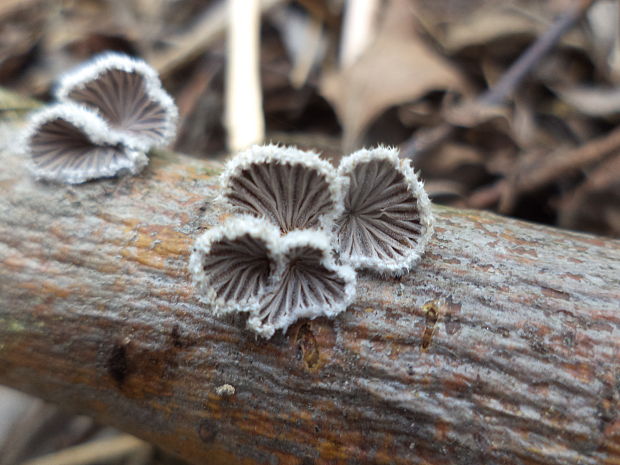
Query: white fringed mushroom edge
(415, 186)
(232, 229)
(92, 69)
(320, 241)
(95, 129)
(273, 153)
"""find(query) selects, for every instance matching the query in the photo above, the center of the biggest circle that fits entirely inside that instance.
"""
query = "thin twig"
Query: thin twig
(566, 162)
(420, 143)
(544, 171)
(507, 84)
(487, 196)
(245, 122)
(359, 29)
(197, 84)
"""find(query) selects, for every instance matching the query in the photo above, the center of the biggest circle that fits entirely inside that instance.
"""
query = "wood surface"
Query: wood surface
(502, 347)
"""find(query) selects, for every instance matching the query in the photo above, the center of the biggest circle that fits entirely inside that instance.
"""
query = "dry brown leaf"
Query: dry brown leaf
(454, 156)
(8, 7)
(397, 68)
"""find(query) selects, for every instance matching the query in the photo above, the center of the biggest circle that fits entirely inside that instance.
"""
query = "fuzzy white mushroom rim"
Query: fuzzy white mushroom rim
(127, 93)
(291, 188)
(309, 284)
(374, 212)
(387, 219)
(68, 143)
(234, 264)
(246, 266)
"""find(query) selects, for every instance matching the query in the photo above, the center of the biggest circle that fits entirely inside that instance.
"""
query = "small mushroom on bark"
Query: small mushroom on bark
(68, 143)
(245, 265)
(233, 265)
(374, 213)
(309, 284)
(291, 188)
(127, 93)
(387, 219)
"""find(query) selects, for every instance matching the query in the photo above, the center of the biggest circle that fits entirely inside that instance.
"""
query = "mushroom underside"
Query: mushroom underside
(238, 270)
(305, 288)
(292, 196)
(122, 98)
(59, 148)
(381, 219)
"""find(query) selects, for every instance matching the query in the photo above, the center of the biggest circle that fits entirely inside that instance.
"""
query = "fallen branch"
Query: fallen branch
(501, 347)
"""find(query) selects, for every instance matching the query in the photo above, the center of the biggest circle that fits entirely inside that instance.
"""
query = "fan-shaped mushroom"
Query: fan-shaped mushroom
(309, 284)
(233, 265)
(71, 144)
(127, 93)
(378, 208)
(289, 187)
(387, 217)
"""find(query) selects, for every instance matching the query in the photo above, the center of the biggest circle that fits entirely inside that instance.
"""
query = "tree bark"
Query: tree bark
(500, 348)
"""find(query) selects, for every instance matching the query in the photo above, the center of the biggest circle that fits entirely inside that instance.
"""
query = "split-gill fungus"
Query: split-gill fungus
(291, 188)
(70, 144)
(246, 266)
(387, 218)
(127, 93)
(113, 110)
(309, 284)
(234, 264)
(309, 226)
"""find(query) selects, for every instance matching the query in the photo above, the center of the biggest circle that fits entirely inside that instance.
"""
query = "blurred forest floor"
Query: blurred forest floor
(435, 77)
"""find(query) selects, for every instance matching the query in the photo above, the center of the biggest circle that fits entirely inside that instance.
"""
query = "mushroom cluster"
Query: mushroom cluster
(303, 229)
(112, 110)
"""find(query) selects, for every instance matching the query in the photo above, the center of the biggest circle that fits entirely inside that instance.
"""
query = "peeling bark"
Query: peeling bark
(500, 348)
